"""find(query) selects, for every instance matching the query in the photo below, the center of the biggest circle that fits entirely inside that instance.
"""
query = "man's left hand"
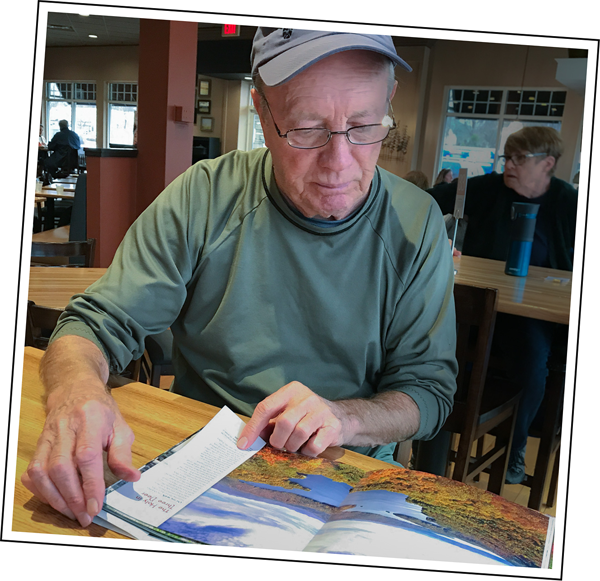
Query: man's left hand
(294, 418)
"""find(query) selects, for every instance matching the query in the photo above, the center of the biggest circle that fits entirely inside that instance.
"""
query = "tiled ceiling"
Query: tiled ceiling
(74, 30)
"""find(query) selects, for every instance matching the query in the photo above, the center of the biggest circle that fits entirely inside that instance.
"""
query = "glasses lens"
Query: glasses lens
(307, 138)
(519, 159)
(367, 134)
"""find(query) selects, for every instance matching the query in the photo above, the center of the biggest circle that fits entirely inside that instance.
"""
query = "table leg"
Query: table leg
(49, 218)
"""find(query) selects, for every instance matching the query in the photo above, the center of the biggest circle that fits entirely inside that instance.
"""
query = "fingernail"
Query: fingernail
(242, 443)
(84, 519)
(92, 507)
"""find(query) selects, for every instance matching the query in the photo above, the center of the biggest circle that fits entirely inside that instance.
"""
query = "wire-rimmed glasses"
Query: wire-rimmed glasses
(315, 137)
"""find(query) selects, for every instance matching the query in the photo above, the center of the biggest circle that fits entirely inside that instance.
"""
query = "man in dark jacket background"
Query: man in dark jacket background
(62, 145)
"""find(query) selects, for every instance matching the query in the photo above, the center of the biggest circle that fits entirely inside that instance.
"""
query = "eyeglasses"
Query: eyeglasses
(519, 158)
(315, 137)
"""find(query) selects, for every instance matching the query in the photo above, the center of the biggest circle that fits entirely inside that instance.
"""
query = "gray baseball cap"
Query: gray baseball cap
(279, 54)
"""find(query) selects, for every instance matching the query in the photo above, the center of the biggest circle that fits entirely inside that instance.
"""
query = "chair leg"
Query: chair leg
(553, 481)
(504, 436)
(552, 421)
(463, 458)
(479, 453)
(403, 451)
(155, 376)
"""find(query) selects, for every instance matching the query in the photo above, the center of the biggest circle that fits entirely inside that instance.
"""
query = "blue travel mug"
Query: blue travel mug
(522, 229)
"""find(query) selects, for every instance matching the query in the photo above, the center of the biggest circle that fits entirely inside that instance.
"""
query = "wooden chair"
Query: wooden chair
(549, 434)
(482, 405)
(40, 324)
(72, 250)
(156, 360)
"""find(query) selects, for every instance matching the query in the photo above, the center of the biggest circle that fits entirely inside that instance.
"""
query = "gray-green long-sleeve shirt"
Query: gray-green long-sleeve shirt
(257, 297)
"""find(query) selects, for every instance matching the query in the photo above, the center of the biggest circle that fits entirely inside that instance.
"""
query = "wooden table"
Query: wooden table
(47, 196)
(532, 296)
(54, 286)
(60, 234)
(50, 190)
(539, 295)
(159, 420)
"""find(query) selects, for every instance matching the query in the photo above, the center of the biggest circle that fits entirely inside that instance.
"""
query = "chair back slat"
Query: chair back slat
(72, 249)
(41, 321)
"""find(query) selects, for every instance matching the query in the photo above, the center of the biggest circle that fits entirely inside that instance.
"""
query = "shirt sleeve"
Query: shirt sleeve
(144, 288)
(421, 341)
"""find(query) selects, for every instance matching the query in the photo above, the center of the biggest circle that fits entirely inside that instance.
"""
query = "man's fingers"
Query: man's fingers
(67, 470)
(47, 493)
(264, 412)
(42, 478)
(322, 439)
(119, 454)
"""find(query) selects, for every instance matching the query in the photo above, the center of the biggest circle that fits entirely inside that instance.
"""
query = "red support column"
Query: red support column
(111, 188)
(166, 94)
(121, 183)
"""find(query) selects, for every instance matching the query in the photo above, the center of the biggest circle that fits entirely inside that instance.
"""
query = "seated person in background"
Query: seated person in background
(41, 139)
(418, 178)
(304, 286)
(531, 155)
(62, 145)
(445, 176)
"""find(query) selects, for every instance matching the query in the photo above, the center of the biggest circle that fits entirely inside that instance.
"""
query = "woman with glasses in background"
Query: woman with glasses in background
(530, 158)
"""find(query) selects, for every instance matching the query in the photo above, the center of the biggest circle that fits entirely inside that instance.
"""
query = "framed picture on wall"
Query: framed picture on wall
(206, 124)
(203, 88)
(203, 107)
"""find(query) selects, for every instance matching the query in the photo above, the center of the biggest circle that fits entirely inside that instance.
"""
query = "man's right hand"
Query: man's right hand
(66, 471)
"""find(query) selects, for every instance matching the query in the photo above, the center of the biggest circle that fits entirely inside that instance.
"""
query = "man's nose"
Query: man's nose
(337, 154)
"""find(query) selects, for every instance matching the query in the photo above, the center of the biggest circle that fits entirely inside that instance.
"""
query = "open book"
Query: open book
(279, 500)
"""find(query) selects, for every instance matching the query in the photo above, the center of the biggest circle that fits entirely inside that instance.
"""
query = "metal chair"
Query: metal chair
(73, 250)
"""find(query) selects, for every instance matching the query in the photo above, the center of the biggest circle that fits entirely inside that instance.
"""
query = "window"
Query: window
(75, 102)
(122, 108)
(479, 120)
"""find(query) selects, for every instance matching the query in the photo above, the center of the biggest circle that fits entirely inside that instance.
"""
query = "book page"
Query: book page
(409, 514)
(173, 483)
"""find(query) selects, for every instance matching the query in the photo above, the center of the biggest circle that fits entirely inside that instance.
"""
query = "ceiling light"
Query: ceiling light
(92, 36)
(61, 27)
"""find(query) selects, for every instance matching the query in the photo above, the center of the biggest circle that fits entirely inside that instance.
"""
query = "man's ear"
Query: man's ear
(393, 90)
(256, 99)
(550, 162)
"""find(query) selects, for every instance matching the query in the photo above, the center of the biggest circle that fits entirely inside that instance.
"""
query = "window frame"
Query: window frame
(108, 102)
(500, 117)
(73, 101)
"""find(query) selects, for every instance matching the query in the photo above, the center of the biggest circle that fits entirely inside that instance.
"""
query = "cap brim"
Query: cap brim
(293, 61)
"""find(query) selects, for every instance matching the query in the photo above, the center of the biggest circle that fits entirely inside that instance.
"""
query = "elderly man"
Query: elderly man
(530, 159)
(303, 285)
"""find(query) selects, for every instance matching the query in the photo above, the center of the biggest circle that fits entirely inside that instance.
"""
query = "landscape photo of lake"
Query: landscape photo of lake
(279, 500)
(257, 515)
(381, 523)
